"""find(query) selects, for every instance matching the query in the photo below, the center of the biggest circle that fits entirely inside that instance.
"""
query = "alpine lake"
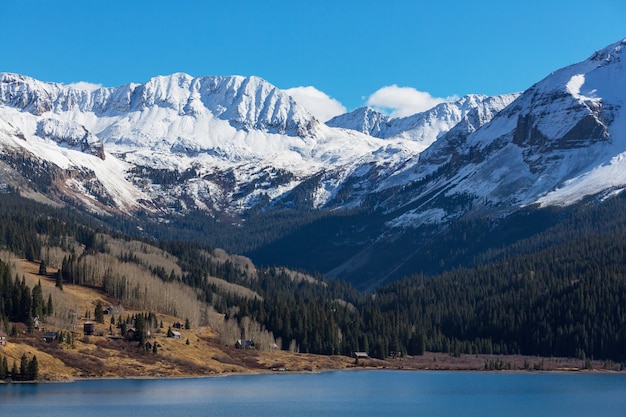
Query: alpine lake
(342, 393)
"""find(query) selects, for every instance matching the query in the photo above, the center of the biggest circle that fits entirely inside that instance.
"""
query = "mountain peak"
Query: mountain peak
(248, 103)
(610, 53)
(234, 127)
(425, 127)
(364, 119)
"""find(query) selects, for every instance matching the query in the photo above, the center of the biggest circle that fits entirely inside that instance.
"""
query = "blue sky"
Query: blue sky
(394, 54)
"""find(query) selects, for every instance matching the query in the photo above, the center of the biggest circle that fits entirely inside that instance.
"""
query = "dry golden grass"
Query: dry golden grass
(51, 368)
(240, 262)
(147, 254)
(234, 288)
(101, 355)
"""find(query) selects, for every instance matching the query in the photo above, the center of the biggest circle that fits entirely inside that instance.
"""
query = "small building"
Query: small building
(176, 335)
(49, 337)
(244, 344)
(89, 328)
(396, 354)
(3, 338)
(130, 333)
(361, 355)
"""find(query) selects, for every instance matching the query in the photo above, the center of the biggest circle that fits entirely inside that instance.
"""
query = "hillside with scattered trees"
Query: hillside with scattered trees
(558, 292)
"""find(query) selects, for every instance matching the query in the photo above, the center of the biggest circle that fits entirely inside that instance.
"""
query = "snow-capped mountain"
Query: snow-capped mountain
(427, 126)
(562, 139)
(226, 145)
(243, 138)
(247, 103)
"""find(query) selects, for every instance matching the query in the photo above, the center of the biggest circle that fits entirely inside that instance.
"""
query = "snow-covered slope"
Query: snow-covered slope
(247, 103)
(561, 140)
(243, 139)
(227, 144)
(427, 126)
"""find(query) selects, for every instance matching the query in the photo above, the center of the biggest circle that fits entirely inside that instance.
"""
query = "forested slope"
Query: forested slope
(558, 290)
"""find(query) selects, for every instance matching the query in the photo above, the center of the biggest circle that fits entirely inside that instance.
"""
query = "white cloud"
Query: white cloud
(318, 103)
(83, 85)
(404, 101)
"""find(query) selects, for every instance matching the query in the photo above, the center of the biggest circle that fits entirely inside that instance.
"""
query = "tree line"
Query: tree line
(18, 303)
(557, 292)
(28, 369)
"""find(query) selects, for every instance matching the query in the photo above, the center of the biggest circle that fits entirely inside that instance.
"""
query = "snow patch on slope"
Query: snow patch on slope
(611, 176)
(574, 84)
(110, 171)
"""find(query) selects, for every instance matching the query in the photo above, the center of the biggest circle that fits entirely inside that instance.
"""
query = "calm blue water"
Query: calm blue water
(351, 393)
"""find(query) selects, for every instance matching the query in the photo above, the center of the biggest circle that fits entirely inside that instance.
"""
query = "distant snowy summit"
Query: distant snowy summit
(229, 144)
(427, 126)
(246, 102)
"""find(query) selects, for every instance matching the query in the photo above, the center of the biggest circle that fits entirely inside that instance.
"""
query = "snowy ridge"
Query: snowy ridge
(72, 134)
(427, 126)
(365, 120)
(561, 140)
(250, 103)
(228, 144)
(235, 127)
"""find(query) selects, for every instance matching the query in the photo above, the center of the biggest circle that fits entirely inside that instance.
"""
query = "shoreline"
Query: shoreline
(322, 371)
(461, 364)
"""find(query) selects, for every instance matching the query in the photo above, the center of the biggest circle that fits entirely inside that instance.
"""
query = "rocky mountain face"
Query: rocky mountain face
(560, 141)
(230, 146)
(545, 142)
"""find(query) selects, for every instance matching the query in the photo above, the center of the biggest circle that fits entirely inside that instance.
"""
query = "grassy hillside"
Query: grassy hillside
(107, 354)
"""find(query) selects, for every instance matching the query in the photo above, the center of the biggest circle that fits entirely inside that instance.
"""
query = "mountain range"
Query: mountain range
(361, 196)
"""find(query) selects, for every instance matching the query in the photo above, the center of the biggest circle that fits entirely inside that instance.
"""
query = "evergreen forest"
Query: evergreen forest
(508, 288)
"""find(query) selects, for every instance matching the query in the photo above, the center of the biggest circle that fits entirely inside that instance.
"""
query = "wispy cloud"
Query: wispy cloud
(404, 101)
(83, 85)
(318, 103)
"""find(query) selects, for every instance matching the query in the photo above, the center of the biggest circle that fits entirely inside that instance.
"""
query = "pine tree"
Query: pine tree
(33, 369)
(23, 367)
(37, 305)
(99, 313)
(59, 280)
(4, 368)
(140, 329)
(15, 373)
(42, 268)
(50, 307)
